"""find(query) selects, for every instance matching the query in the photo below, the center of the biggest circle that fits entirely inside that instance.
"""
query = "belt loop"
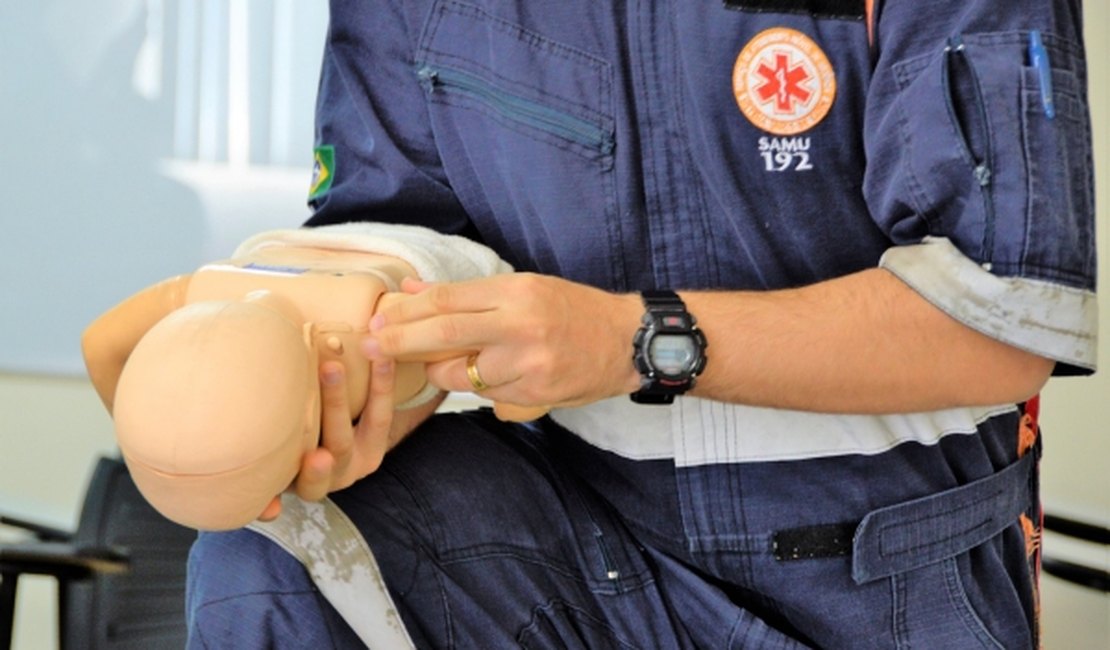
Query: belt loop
(917, 533)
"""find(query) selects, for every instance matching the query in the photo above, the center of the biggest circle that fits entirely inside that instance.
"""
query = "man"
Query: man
(880, 218)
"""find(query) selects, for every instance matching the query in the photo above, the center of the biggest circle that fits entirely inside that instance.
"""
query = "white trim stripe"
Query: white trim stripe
(714, 432)
(702, 432)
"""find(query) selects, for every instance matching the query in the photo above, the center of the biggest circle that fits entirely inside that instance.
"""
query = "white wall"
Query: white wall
(138, 139)
(1076, 412)
(52, 427)
(141, 138)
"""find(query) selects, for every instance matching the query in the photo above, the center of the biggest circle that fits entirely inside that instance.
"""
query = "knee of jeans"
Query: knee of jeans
(244, 591)
(238, 563)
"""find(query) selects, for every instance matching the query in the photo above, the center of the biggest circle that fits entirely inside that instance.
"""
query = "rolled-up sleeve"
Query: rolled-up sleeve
(979, 168)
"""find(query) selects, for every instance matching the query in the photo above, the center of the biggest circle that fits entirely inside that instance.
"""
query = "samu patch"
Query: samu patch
(323, 171)
(783, 82)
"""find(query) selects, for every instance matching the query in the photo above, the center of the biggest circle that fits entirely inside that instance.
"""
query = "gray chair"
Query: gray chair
(121, 574)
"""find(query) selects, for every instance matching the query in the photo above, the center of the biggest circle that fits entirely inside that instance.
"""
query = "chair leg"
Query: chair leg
(63, 607)
(7, 608)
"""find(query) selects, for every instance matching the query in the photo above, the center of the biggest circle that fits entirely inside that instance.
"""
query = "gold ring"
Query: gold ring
(473, 375)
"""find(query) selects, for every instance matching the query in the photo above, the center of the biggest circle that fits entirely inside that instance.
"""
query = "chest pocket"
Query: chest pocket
(525, 129)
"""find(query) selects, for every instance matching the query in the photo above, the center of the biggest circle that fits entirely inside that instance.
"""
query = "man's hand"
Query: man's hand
(541, 341)
(349, 451)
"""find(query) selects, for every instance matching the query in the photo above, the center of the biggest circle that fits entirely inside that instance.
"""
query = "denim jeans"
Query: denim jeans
(493, 535)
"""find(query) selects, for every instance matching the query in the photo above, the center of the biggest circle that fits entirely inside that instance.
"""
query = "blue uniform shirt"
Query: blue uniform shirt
(740, 144)
(715, 145)
(722, 145)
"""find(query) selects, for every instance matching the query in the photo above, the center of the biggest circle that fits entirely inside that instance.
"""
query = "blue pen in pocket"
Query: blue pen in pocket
(1038, 59)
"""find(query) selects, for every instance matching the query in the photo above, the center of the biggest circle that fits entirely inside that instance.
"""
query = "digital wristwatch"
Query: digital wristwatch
(668, 349)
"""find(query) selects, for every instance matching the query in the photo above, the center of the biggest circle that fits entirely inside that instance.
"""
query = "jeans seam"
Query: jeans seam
(560, 603)
(957, 595)
(405, 524)
(898, 612)
(448, 619)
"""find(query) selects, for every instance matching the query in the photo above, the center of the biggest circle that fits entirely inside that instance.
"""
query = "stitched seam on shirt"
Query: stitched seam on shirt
(655, 238)
(694, 188)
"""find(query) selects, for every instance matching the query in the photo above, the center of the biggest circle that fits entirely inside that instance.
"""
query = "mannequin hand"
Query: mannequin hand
(542, 341)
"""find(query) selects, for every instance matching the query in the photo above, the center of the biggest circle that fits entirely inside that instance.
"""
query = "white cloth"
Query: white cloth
(341, 565)
(435, 257)
(319, 535)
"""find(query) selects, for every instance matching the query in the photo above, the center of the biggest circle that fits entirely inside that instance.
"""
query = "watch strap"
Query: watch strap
(662, 298)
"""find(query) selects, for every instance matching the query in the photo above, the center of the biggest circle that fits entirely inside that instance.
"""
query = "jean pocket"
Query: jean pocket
(981, 598)
(932, 609)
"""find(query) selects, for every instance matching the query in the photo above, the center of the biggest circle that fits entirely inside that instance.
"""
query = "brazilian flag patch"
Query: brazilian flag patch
(323, 171)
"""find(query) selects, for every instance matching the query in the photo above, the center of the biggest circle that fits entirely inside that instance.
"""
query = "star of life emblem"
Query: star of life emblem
(783, 82)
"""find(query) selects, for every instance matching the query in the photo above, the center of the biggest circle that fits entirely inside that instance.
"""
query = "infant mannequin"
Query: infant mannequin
(211, 378)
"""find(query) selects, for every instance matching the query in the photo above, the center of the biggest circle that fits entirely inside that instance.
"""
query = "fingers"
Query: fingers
(538, 340)
(336, 432)
(313, 482)
(435, 337)
(480, 373)
(321, 465)
(437, 318)
(428, 299)
(347, 454)
(376, 421)
(410, 285)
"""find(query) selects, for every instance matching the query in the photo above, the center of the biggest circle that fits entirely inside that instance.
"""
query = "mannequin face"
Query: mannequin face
(215, 408)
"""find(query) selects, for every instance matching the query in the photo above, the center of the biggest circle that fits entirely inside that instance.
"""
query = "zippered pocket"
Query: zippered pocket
(516, 109)
(526, 133)
(968, 115)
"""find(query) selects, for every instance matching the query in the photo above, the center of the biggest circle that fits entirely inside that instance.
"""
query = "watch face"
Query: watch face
(673, 355)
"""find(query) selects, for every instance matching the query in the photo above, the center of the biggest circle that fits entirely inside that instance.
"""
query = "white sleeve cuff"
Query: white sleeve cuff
(1052, 320)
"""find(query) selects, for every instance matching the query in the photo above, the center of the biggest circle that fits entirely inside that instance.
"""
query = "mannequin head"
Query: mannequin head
(215, 408)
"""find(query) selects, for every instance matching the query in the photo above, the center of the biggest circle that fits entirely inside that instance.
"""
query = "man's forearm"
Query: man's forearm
(864, 343)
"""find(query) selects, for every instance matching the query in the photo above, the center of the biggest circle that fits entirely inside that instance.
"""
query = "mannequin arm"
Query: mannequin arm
(109, 340)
